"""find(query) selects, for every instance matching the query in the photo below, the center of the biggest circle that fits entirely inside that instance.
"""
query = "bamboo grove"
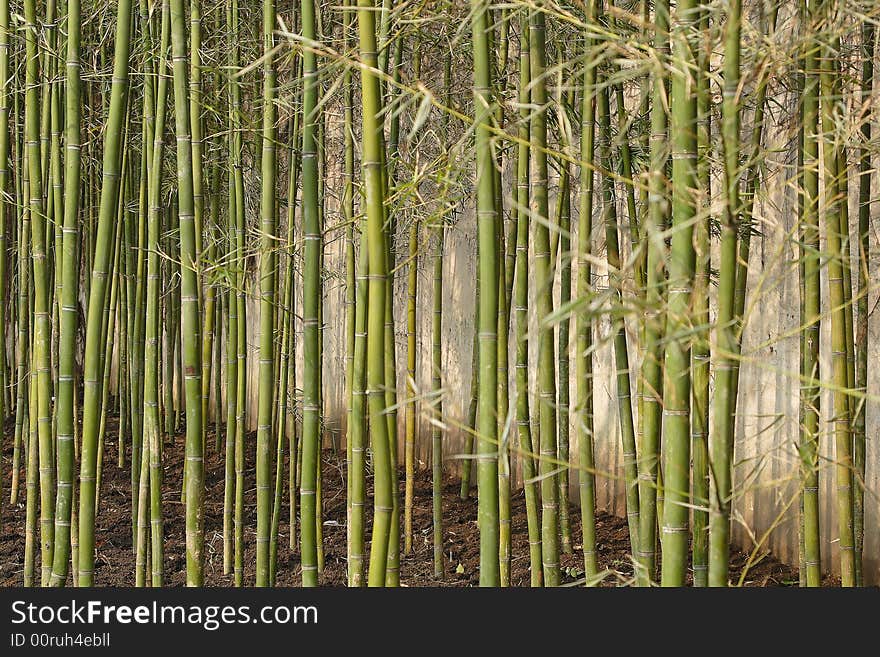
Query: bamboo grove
(189, 187)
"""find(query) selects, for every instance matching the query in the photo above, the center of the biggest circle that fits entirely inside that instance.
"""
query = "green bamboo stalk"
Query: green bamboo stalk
(701, 353)
(238, 376)
(231, 410)
(372, 165)
(834, 176)
(657, 219)
(197, 140)
(311, 438)
(357, 472)
(390, 160)
(810, 389)
(564, 336)
(410, 413)
(290, 420)
(30, 534)
(861, 333)
(55, 217)
(27, 377)
(487, 219)
(152, 436)
(210, 303)
(4, 212)
(97, 290)
(498, 55)
(437, 348)
(437, 386)
(191, 341)
(267, 300)
(677, 379)
(70, 294)
(231, 379)
(138, 311)
(355, 297)
(544, 286)
(42, 335)
(503, 405)
(22, 378)
(584, 323)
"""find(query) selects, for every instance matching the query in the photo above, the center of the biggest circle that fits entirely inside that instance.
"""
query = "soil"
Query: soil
(115, 561)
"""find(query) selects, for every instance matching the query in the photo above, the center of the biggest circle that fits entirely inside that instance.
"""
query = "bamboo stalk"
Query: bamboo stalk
(267, 301)
(869, 46)
(97, 290)
(543, 283)
(372, 165)
(584, 324)
(191, 341)
(657, 220)
(677, 379)
(810, 388)
(70, 293)
(700, 398)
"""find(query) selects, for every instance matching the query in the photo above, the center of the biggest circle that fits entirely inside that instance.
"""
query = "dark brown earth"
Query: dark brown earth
(115, 561)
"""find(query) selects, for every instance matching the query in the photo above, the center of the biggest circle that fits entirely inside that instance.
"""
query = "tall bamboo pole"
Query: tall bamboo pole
(861, 333)
(410, 414)
(5, 98)
(152, 332)
(41, 343)
(357, 473)
(191, 341)
(437, 350)
(70, 294)
(564, 333)
(810, 388)
(830, 104)
(701, 352)
(677, 375)
(657, 220)
(97, 289)
(267, 300)
(544, 285)
(584, 323)
(311, 440)
(487, 218)
(721, 444)
(374, 187)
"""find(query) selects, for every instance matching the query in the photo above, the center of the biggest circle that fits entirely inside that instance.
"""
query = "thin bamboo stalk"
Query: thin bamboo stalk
(657, 219)
(810, 389)
(267, 301)
(190, 325)
(544, 285)
(584, 323)
(97, 290)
